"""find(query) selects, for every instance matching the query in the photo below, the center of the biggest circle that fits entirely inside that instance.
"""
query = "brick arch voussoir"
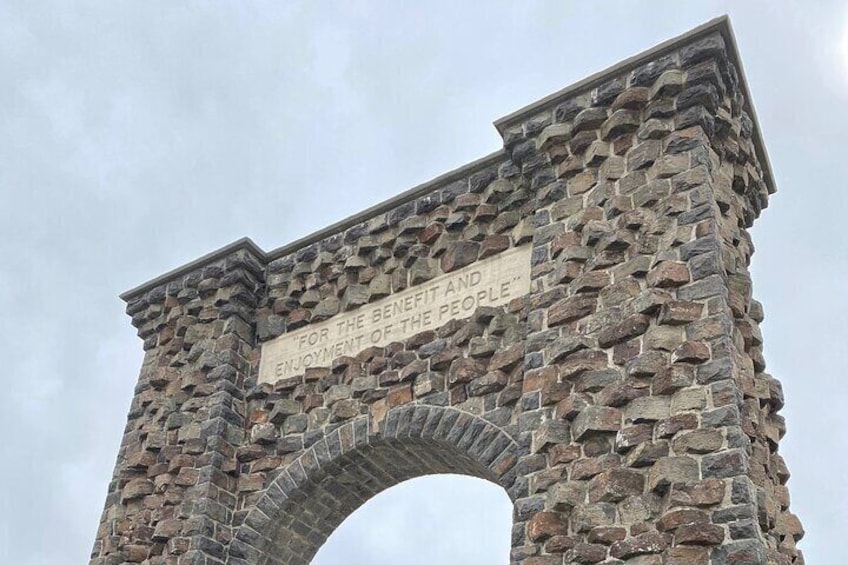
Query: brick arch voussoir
(475, 446)
(491, 447)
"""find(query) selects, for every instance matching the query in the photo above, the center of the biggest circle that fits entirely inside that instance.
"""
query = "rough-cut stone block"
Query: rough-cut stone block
(648, 542)
(582, 361)
(564, 496)
(671, 471)
(669, 274)
(596, 419)
(506, 358)
(630, 327)
(698, 441)
(615, 485)
(572, 405)
(584, 517)
(551, 432)
(632, 436)
(673, 519)
(739, 553)
(571, 309)
(492, 381)
(729, 463)
(284, 408)
(460, 254)
(647, 409)
(586, 553)
(688, 555)
(699, 534)
(672, 378)
(563, 347)
(136, 488)
(646, 454)
(621, 122)
(546, 524)
(465, 370)
(702, 493)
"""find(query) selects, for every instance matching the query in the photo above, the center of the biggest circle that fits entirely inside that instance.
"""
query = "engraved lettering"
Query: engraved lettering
(492, 282)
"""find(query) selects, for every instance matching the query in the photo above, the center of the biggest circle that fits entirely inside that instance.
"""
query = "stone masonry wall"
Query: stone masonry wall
(622, 404)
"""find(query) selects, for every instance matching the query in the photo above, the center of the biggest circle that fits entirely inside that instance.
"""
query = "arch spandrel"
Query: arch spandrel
(357, 460)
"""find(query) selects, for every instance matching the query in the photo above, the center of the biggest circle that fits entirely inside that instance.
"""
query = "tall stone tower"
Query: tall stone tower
(570, 318)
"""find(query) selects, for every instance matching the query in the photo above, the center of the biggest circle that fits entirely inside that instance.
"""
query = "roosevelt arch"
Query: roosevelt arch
(613, 350)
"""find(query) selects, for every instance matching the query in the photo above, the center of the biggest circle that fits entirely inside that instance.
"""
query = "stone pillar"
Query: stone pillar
(643, 332)
(172, 496)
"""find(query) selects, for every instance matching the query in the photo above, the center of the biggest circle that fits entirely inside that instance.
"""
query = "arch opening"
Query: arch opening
(447, 519)
(312, 496)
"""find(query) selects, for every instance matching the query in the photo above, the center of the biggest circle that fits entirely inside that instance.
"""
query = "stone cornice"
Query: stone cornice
(720, 25)
(244, 243)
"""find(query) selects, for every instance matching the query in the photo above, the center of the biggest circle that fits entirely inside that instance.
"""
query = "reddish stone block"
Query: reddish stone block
(672, 378)
(536, 379)
(465, 370)
(554, 392)
(431, 233)
(543, 525)
(607, 535)
(699, 534)
(592, 281)
(673, 519)
(669, 274)
(561, 544)
(571, 309)
(570, 406)
(691, 352)
(507, 358)
(592, 466)
(399, 395)
(559, 454)
(494, 244)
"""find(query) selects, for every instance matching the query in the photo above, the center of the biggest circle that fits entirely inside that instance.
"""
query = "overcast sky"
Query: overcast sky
(137, 136)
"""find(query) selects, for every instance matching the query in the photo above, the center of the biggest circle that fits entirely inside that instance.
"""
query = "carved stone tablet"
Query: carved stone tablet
(491, 282)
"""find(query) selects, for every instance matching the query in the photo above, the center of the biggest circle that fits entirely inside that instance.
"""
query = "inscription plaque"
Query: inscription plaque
(491, 282)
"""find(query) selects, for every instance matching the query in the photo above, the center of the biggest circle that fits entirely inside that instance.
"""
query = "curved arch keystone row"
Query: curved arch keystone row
(354, 462)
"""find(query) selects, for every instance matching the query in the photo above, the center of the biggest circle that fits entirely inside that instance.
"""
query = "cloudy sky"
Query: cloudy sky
(137, 136)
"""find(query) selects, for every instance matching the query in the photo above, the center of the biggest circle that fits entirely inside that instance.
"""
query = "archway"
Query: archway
(352, 463)
(613, 383)
(446, 519)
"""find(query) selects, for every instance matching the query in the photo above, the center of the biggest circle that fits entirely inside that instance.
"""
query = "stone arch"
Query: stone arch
(631, 366)
(353, 462)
